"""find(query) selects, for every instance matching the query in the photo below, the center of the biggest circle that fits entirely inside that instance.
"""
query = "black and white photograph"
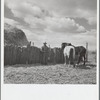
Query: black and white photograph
(50, 42)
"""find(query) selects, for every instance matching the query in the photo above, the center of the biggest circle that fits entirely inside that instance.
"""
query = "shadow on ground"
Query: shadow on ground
(87, 66)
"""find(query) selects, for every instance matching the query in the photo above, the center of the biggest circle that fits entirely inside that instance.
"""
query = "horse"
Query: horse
(80, 51)
(77, 50)
(67, 47)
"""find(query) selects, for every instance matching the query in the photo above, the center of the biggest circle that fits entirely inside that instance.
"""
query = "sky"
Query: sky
(54, 21)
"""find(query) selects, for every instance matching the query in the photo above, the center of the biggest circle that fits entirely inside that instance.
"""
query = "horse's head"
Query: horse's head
(63, 45)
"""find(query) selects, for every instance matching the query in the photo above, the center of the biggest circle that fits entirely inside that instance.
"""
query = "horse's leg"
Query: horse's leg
(84, 59)
(74, 57)
(65, 60)
(69, 61)
(73, 63)
(79, 59)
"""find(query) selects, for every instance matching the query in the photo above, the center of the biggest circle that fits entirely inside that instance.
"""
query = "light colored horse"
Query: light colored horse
(67, 47)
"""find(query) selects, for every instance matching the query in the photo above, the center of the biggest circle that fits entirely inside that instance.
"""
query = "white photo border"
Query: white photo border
(47, 92)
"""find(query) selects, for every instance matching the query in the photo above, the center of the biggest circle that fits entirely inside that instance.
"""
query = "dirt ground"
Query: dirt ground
(51, 74)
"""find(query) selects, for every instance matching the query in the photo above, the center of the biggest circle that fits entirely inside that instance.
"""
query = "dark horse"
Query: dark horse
(80, 51)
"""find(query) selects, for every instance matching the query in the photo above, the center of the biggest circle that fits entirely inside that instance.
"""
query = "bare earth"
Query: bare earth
(51, 74)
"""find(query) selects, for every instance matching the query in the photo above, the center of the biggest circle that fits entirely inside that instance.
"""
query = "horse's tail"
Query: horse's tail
(73, 53)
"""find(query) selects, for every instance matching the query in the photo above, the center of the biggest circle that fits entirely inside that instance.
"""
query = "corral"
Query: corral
(30, 55)
(52, 73)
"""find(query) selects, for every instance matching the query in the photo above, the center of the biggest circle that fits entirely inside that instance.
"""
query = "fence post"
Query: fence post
(86, 51)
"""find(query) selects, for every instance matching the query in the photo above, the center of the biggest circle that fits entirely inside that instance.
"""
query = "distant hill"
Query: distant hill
(15, 36)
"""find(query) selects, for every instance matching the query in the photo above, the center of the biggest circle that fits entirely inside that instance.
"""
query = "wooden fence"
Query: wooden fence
(30, 55)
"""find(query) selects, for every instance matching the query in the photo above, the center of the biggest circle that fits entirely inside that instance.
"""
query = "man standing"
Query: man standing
(45, 51)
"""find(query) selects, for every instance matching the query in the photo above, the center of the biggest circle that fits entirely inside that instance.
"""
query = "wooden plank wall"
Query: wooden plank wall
(30, 55)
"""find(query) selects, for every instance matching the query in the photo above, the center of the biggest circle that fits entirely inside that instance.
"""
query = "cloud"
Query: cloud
(53, 8)
(49, 20)
(54, 39)
(41, 19)
(63, 25)
(70, 8)
(92, 20)
(11, 21)
(56, 24)
(25, 8)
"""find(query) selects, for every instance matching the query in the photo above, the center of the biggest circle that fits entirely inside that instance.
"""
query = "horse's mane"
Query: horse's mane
(64, 44)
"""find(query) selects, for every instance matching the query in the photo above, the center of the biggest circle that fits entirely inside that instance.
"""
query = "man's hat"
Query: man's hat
(44, 43)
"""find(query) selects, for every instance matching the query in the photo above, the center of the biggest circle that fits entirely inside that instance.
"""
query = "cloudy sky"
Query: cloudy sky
(54, 21)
